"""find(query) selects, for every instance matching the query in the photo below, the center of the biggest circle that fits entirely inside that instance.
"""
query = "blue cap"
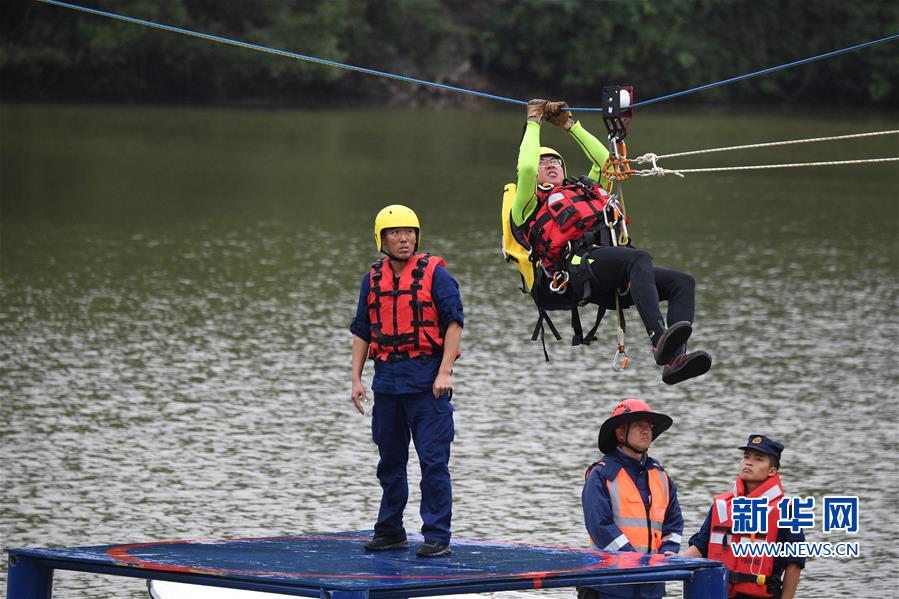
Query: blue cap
(765, 445)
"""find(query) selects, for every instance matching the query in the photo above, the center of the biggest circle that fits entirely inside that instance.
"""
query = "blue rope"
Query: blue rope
(366, 71)
(764, 71)
(258, 48)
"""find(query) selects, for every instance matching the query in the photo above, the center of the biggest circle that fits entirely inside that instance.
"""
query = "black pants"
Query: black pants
(614, 267)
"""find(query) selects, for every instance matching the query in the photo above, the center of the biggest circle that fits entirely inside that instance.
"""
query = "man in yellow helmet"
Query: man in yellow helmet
(577, 232)
(409, 322)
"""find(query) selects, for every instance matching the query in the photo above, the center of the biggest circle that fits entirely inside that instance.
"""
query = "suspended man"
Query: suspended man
(576, 233)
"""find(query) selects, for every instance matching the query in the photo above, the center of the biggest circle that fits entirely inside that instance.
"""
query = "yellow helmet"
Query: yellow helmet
(396, 215)
(544, 151)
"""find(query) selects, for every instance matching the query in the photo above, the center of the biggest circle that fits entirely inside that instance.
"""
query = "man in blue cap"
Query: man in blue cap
(752, 576)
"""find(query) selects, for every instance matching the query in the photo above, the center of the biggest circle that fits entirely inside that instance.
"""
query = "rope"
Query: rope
(659, 171)
(656, 170)
(765, 71)
(366, 71)
(258, 48)
(650, 156)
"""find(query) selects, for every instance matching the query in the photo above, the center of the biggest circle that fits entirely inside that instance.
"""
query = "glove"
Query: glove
(557, 113)
(536, 110)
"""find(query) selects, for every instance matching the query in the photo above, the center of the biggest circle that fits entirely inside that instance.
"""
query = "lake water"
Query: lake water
(177, 286)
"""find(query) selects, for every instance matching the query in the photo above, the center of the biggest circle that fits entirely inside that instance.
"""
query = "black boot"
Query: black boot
(387, 542)
(671, 341)
(686, 366)
(433, 549)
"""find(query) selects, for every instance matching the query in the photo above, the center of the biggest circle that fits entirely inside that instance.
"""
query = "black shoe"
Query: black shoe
(433, 549)
(386, 543)
(671, 340)
(686, 366)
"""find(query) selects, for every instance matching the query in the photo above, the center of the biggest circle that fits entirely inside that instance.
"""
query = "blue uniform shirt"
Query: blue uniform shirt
(601, 525)
(417, 374)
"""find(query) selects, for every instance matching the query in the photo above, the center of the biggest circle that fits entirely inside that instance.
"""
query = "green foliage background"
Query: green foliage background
(515, 48)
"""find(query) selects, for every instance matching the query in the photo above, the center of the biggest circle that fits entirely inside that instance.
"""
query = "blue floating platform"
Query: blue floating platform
(335, 565)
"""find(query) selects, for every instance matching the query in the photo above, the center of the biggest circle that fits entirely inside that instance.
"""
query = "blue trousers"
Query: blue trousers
(429, 423)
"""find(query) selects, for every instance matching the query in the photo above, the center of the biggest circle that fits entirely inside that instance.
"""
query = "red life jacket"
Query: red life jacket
(404, 319)
(565, 214)
(749, 568)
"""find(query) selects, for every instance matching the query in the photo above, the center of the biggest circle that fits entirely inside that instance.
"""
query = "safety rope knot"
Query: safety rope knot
(655, 170)
(648, 157)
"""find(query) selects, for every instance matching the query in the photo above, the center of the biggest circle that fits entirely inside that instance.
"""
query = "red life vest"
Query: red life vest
(404, 319)
(751, 568)
(565, 214)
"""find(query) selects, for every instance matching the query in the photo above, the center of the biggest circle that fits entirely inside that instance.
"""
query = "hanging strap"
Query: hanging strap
(591, 334)
(579, 337)
(539, 331)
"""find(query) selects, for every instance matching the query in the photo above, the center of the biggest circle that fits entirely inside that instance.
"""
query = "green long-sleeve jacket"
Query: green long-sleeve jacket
(529, 158)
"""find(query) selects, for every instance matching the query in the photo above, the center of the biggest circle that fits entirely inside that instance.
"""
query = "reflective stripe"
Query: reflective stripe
(665, 485)
(721, 506)
(553, 198)
(637, 522)
(673, 537)
(773, 493)
(717, 538)
(619, 542)
(615, 496)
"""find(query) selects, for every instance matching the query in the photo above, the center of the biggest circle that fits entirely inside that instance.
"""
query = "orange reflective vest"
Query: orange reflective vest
(641, 527)
(404, 320)
(752, 573)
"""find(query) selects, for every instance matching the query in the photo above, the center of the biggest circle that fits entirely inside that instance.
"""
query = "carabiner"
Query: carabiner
(621, 359)
(559, 282)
